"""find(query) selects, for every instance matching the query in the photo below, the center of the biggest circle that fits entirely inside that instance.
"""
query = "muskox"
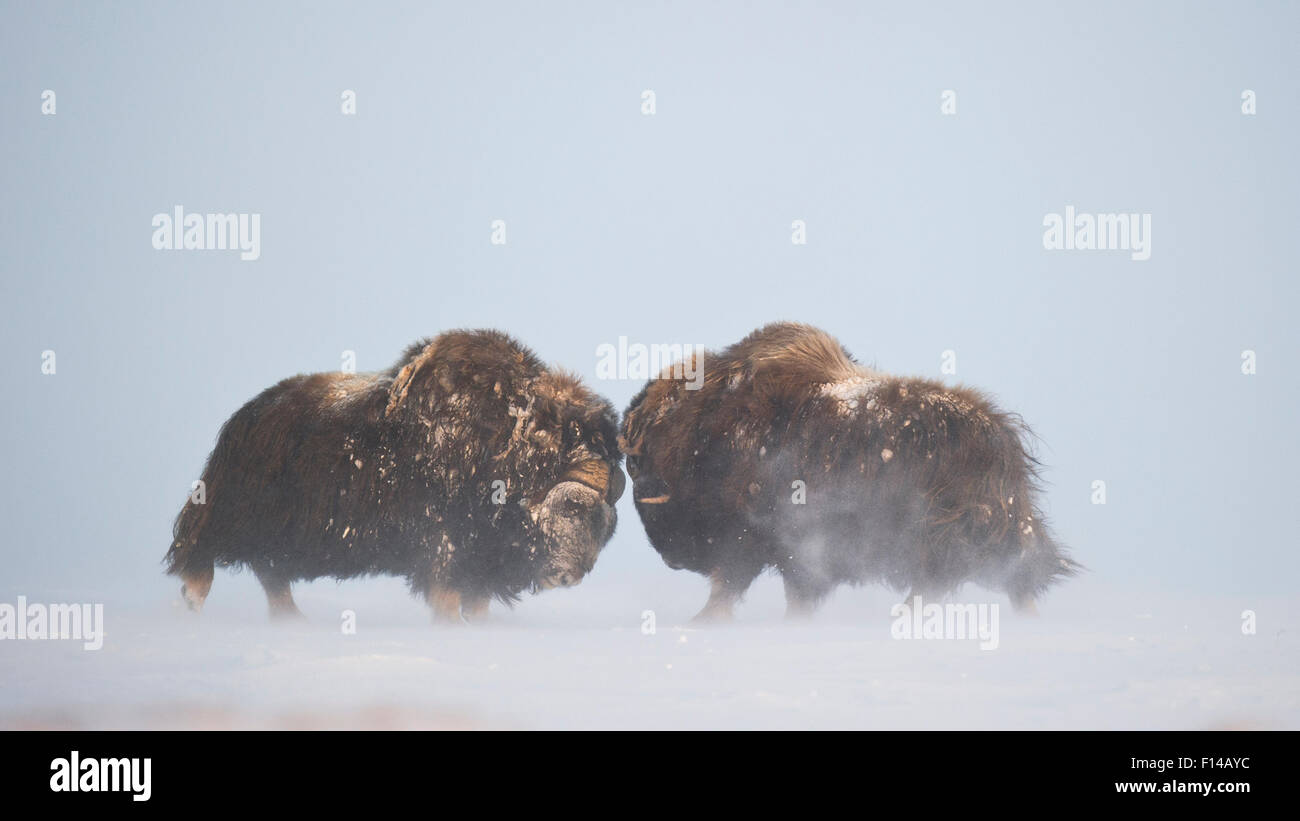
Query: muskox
(793, 456)
(468, 468)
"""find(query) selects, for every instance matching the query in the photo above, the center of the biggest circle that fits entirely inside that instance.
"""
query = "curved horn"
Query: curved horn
(617, 485)
(594, 473)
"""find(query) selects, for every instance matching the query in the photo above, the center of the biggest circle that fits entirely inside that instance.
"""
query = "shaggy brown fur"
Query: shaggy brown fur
(469, 468)
(792, 455)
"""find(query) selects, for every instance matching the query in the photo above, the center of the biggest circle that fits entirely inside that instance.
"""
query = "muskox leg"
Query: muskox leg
(922, 593)
(445, 603)
(278, 597)
(1025, 604)
(474, 607)
(195, 585)
(800, 600)
(728, 586)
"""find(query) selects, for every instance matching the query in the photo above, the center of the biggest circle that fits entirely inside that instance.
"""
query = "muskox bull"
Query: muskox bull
(469, 468)
(793, 456)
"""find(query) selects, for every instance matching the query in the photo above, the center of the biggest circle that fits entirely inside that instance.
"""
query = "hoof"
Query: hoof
(1029, 607)
(194, 605)
(713, 616)
(799, 612)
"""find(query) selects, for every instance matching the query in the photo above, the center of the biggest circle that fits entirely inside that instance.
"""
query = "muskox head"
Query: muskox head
(575, 519)
(572, 513)
(670, 485)
(482, 412)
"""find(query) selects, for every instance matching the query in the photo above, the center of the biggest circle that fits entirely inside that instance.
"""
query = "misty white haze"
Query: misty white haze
(925, 235)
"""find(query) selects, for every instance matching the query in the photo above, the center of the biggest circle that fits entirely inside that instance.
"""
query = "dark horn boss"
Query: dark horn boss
(793, 456)
(469, 468)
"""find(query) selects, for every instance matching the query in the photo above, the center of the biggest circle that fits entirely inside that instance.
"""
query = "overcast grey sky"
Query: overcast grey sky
(924, 234)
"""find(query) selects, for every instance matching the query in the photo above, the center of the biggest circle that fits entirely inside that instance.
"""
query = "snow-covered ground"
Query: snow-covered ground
(580, 659)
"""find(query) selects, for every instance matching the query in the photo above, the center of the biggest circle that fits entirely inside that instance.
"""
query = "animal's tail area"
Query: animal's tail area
(1025, 561)
(986, 509)
(1042, 564)
(1042, 560)
(189, 556)
(194, 546)
(194, 550)
(184, 554)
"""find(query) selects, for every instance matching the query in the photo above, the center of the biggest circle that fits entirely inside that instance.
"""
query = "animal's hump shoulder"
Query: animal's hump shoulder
(791, 353)
(472, 357)
(461, 359)
(487, 349)
(409, 355)
(486, 353)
